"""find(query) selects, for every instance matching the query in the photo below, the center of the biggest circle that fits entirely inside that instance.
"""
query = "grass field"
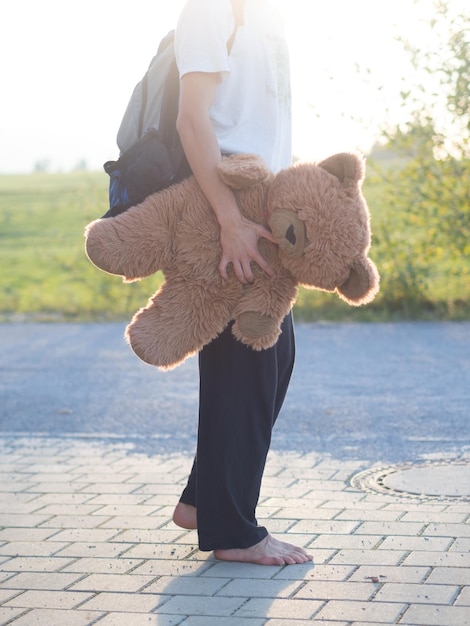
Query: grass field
(45, 274)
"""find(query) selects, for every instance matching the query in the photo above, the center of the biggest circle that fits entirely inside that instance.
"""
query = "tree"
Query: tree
(42, 165)
(427, 253)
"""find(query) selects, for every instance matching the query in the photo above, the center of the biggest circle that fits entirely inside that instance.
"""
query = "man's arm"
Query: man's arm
(238, 236)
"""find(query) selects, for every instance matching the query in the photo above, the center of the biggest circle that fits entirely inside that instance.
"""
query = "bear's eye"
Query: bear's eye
(290, 235)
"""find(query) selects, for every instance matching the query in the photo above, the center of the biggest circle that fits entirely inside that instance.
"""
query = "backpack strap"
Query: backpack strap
(167, 41)
(238, 8)
(143, 105)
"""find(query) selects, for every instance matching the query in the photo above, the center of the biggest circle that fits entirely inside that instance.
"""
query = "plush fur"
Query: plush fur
(318, 215)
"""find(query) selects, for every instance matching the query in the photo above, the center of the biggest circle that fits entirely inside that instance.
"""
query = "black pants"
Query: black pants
(241, 394)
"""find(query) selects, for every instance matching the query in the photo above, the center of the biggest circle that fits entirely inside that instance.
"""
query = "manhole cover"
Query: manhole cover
(445, 480)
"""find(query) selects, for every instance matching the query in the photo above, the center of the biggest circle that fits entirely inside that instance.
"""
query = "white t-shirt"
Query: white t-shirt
(252, 108)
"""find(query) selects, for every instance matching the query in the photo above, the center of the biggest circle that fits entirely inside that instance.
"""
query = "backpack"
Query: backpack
(151, 155)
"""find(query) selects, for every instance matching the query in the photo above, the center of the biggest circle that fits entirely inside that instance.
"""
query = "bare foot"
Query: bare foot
(269, 551)
(184, 516)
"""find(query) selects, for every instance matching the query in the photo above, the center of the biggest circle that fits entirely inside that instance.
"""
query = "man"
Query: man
(235, 97)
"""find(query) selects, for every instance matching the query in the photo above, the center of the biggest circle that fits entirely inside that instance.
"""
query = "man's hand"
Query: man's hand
(239, 243)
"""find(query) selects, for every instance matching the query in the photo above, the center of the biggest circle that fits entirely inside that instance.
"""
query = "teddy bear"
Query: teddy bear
(317, 214)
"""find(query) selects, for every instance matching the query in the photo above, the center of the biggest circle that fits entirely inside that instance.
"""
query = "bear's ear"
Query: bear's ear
(239, 171)
(362, 285)
(348, 167)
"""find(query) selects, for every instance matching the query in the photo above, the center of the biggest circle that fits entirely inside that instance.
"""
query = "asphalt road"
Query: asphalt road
(375, 392)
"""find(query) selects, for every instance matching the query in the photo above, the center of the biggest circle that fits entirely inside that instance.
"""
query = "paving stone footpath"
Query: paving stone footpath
(86, 538)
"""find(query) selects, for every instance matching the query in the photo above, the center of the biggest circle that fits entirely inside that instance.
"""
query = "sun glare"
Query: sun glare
(347, 68)
(78, 70)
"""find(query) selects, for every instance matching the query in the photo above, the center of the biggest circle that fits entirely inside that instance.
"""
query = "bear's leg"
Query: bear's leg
(259, 330)
(259, 314)
(178, 321)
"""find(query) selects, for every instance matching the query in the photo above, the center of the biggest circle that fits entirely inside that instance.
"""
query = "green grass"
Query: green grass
(46, 275)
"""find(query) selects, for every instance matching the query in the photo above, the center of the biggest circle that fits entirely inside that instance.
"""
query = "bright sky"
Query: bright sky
(68, 69)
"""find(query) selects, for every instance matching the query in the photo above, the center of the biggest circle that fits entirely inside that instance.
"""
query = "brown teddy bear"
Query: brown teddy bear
(316, 212)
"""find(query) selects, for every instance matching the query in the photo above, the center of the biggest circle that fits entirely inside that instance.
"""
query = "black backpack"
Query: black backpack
(151, 155)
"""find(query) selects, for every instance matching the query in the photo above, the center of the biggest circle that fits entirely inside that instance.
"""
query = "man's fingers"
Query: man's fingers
(223, 269)
(247, 272)
(264, 265)
(237, 268)
(244, 272)
(267, 234)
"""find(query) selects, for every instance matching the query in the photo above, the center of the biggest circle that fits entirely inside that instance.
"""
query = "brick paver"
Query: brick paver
(86, 538)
